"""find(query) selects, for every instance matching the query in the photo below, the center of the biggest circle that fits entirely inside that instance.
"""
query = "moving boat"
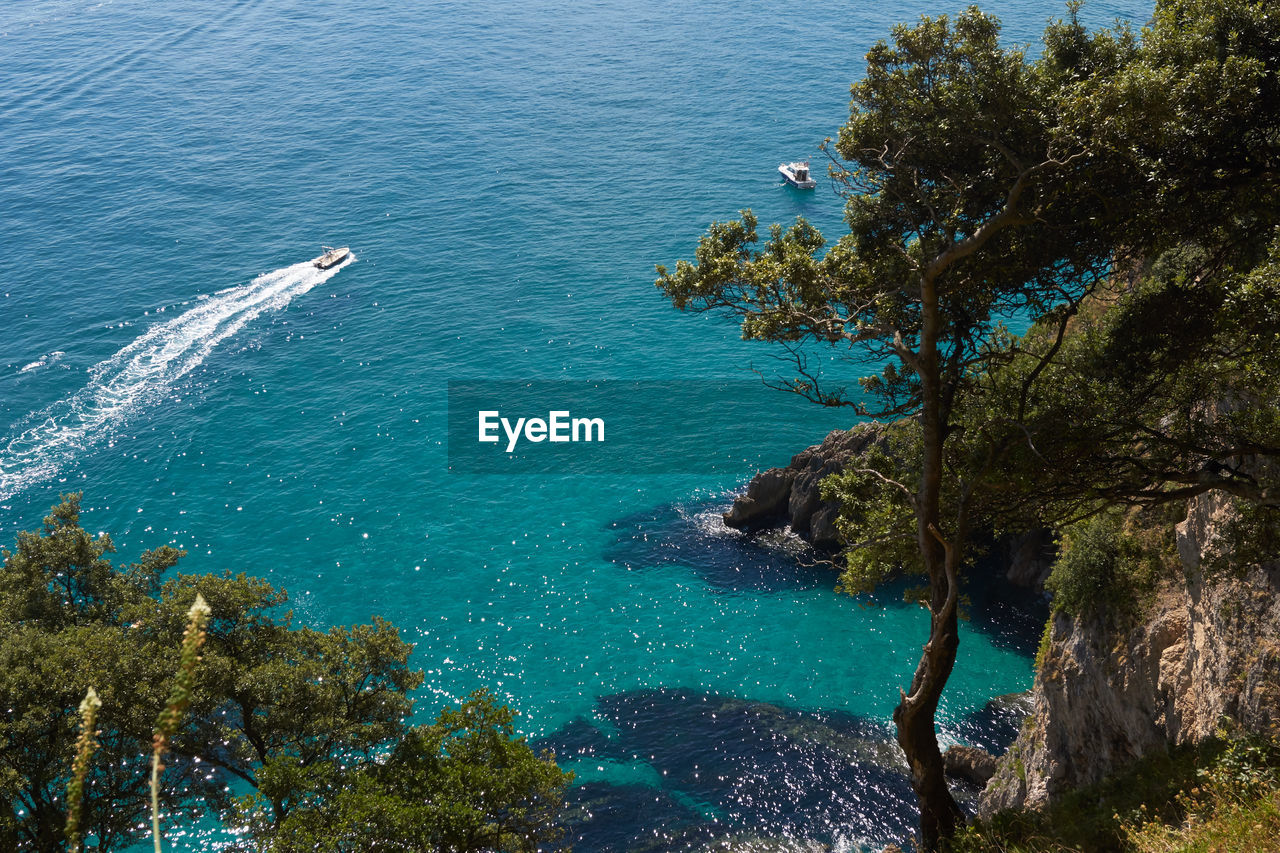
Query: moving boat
(797, 174)
(331, 258)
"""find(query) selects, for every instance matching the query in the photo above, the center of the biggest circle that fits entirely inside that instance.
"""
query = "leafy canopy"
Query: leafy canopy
(290, 712)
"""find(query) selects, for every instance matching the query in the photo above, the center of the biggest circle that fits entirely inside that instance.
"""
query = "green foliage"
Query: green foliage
(287, 710)
(1248, 765)
(876, 518)
(1229, 826)
(1221, 795)
(1158, 390)
(464, 783)
(1234, 808)
(1093, 818)
(1042, 648)
(1199, 117)
(67, 621)
(1165, 384)
(1108, 565)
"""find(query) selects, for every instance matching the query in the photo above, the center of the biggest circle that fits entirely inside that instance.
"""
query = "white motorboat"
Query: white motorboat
(797, 174)
(331, 258)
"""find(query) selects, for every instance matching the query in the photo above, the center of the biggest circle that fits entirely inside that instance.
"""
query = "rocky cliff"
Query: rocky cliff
(791, 496)
(1208, 647)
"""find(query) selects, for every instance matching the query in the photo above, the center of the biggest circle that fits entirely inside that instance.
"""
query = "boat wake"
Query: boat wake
(141, 374)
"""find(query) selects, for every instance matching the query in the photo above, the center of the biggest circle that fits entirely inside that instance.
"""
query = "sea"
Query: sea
(507, 175)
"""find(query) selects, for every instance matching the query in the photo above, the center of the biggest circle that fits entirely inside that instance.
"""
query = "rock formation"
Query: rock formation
(1208, 648)
(1027, 558)
(791, 495)
(969, 763)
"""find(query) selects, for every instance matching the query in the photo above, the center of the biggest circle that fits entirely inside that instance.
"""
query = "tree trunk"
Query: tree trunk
(914, 716)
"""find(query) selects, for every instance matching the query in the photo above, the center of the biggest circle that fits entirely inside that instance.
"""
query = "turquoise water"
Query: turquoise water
(506, 175)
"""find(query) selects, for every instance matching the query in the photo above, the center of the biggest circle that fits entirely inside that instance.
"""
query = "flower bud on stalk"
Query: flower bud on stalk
(179, 698)
(86, 744)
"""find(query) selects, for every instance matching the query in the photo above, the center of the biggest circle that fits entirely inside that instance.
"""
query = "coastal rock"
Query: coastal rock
(718, 753)
(1015, 704)
(745, 843)
(765, 501)
(970, 764)
(822, 526)
(1028, 557)
(1208, 647)
(792, 496)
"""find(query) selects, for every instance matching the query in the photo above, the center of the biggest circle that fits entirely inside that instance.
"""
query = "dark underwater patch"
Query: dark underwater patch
(995, 725)
(606, 818)
(1013, 617)
(694, 537)
(729, 766)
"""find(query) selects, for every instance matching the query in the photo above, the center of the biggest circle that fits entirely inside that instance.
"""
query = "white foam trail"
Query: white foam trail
(141, 374)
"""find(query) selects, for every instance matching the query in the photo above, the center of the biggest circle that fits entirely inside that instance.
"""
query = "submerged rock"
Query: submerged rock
(694, 537)
(1027, 557)
(731, 774)
(765, 844)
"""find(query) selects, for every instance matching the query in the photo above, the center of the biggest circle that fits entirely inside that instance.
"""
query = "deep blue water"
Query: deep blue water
(507, 175)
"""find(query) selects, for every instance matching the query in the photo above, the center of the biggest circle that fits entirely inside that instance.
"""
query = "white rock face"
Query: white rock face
(1209, 648)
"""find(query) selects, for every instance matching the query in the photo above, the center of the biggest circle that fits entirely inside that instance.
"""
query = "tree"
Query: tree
(281, 708)
(963, 206)
(1163, 392)
(464, 783)
(979, 186)
(1195, 117)
(66, 623)
(1166, 387)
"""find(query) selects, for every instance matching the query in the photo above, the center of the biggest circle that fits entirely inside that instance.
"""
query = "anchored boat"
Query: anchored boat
(797, 174)
(331, 258)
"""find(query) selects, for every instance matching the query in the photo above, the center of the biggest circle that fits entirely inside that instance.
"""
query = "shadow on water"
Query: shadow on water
(1013, 616)
(679, 769)
(723, 767)
(995, 725)
(603, 816)
(695, 537)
